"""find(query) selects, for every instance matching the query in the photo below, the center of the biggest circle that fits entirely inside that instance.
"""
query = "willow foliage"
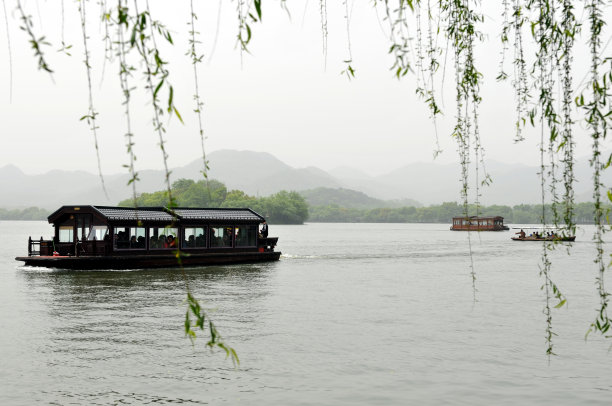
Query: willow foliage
(544, 94)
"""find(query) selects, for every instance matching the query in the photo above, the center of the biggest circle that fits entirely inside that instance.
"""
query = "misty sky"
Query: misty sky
(284, 97)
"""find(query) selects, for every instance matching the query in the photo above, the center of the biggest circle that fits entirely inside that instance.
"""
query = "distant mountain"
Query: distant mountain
(261, 174)
(431, 183)
(256, 173)
(350, 199)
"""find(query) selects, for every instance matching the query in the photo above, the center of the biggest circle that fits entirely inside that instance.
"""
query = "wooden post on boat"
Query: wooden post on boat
(29, 246)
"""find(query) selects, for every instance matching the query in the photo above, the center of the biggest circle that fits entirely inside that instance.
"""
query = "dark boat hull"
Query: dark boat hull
(148, 261)
(567, 239)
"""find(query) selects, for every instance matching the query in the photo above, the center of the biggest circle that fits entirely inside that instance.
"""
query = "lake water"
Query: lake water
(352, 314)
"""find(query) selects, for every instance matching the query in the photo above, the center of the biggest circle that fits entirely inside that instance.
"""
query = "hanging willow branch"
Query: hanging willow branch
(91, 115)
(105, 17)
(154, 68)
(195, 60)
(596, 114)
(544, 31)
(125, 72)
(35, 43)
(462, 20)
(323, 15)
(520, 72)
(569, 28)
(349, 71)
(245, 32)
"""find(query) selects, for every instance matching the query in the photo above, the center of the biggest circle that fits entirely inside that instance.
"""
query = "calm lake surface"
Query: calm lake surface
(352, 314)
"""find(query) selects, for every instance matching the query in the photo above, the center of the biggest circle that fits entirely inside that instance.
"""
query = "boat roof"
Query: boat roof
(217, 214)
(162, 214)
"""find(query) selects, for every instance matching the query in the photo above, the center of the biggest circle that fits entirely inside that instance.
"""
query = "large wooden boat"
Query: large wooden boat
(103, 237)
(479, 224)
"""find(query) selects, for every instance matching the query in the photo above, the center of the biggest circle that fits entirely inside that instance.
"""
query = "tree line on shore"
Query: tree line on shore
(292, 207)
(444, 213)
(30, 213)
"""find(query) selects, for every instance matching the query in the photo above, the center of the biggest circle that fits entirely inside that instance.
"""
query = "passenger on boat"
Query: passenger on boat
(264, 230)
(122, 240)
(170, 242)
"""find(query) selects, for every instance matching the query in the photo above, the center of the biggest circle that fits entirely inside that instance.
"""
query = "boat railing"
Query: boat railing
(83, 247)
(39, 247)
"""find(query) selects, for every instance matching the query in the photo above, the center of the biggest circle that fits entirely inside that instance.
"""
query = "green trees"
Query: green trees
(281, 208)
(285, 208)
(443, 213)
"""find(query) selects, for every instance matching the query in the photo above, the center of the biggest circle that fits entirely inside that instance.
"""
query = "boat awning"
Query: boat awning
(218, 214)
(130, 214)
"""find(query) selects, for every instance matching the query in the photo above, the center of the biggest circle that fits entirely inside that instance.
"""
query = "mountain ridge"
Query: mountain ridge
(262, 174)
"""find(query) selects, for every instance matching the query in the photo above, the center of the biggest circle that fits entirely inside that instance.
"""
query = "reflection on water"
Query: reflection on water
(351, 314)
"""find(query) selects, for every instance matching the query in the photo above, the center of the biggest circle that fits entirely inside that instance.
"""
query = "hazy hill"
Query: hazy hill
(432, 183)
(256, 173)
(350, 199)
(262, 174)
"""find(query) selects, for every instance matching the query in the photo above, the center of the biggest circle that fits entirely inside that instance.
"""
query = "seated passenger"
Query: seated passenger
(122, 240)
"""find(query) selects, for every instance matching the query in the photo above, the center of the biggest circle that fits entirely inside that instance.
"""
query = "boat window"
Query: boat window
(221, 236)
(66, 234)
(246, 236)
(83, 223)
(163, 237)
(194, 237)
(129, 238)
(97, 232)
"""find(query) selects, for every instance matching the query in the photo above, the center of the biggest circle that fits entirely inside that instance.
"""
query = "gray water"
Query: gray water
(352, 314)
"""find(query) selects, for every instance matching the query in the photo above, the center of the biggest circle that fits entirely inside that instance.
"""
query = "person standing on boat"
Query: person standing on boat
(264, 230)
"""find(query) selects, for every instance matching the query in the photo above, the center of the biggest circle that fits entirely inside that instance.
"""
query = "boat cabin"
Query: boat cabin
(147, 232)
(474, 223)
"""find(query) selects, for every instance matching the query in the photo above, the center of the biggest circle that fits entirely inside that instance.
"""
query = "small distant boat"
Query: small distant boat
(549, 238)
(475, 223)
